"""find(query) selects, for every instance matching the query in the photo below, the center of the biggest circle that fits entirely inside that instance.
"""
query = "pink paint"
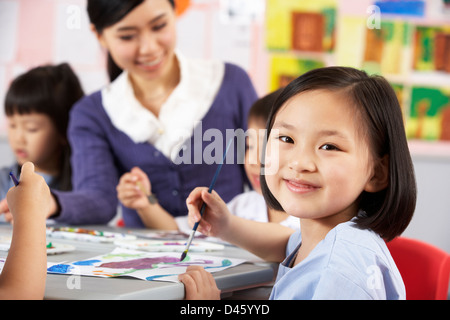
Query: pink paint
(150, 263)
(144, 263)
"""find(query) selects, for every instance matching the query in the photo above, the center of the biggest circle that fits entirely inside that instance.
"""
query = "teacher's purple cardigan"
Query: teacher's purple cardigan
(101, 154)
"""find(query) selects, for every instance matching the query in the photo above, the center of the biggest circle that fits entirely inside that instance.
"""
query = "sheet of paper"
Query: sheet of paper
(161, 266)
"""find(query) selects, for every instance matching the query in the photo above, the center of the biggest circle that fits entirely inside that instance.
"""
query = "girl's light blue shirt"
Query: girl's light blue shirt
(350, 263)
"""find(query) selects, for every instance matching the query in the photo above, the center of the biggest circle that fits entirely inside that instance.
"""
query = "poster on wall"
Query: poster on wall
(299, 37)
(429, 117)
(301, 25)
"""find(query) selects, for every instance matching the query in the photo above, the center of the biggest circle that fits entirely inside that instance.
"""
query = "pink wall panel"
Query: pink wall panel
(35, 43)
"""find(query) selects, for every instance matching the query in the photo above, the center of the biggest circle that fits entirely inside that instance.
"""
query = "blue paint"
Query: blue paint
(86, 262)
(225, 263)
(60, 268)
(151, 278)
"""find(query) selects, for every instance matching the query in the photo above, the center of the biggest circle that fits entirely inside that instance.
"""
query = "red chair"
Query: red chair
(425, 269)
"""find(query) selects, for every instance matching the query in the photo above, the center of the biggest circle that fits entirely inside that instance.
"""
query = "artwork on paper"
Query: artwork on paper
(161, 266)
(168, 245)
(385, 48)
(402, 8)
(432, 48)
(429, 117)
(285, 67)
(301, 25)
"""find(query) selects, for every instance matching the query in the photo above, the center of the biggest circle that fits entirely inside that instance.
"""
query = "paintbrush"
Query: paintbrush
(14, 179)
(150, 197)
(202, 209)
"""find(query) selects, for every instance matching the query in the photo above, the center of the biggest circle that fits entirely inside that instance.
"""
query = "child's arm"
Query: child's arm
(199, 284)
(266, 240)
(25, 269)
(130, 193)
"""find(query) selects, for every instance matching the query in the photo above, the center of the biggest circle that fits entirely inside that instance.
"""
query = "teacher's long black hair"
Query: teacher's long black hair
(105, 13)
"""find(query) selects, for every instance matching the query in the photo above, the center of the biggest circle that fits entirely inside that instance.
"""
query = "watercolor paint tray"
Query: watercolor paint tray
(167, 245)
(52, 248)
(57, 248)
(87, 235)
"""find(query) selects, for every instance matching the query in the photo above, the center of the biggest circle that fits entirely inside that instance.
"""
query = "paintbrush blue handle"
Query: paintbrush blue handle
(202, 209)
(211, 186)
(14, 179)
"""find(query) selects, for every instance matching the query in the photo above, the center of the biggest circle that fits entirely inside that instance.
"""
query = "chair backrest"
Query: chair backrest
(425, 269)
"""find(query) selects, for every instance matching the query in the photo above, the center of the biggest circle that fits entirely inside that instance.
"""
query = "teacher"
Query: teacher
(150, 116)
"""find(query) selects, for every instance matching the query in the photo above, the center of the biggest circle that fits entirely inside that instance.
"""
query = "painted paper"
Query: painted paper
(161, 266)
(167, 245)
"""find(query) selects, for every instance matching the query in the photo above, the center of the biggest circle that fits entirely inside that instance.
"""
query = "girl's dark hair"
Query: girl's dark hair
(262, 107)
(387, 212)
(50, 90)
(105, 13)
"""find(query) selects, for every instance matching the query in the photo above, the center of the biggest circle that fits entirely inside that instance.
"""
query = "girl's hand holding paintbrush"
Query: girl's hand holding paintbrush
(24, 272)
(266, 240)
(33, 189)
(216, 216)
(32, 192)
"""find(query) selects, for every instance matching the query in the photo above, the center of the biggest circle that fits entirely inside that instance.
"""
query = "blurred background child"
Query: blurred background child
(37, 108)
(251, 204)
(134, 187)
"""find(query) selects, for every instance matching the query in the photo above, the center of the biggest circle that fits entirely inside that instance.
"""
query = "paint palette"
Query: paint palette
(57, 248)
(52, 248)
(88, 235)
(167, 245)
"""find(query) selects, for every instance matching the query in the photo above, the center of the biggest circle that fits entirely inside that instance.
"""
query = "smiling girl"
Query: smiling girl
(337, 138)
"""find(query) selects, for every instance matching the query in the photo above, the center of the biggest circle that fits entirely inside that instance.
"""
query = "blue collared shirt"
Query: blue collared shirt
(350, 264)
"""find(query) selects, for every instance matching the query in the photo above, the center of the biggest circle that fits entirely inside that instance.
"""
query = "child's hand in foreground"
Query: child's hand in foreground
(199, 284)
(32, 194)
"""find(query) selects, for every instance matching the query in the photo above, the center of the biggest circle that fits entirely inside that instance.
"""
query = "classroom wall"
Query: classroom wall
(34, 32)
(431, 219)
